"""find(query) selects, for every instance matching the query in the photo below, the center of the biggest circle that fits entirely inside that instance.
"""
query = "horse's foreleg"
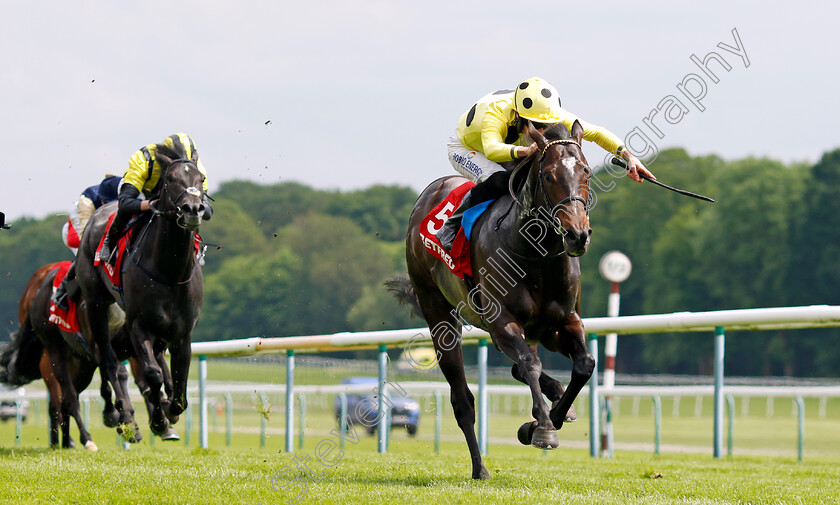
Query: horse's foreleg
(149, 379)
(510, 338)
(110, 415)
(181, 354)
(570, 340)
(551, 388)
(145, 390)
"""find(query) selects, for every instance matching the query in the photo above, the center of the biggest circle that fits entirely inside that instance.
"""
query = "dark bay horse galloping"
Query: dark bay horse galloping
(162, 288)
(66, 362)
(527, 275)
(39, 349)
(30, 356)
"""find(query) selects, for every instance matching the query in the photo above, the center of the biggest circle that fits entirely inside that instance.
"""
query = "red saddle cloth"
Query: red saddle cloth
(66, 320)
(113, 271)
(458, 260)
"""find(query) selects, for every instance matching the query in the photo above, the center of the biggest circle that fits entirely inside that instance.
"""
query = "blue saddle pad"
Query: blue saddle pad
(471, 215)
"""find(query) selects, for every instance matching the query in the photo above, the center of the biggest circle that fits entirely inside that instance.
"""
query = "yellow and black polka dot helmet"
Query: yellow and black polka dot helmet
(537, 100)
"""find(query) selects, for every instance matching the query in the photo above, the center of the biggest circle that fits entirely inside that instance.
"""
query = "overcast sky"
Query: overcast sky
(346, 94)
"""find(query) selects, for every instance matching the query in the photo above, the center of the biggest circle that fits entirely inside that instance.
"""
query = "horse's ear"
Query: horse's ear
(577, 131)
(535, 134)
(163, 159)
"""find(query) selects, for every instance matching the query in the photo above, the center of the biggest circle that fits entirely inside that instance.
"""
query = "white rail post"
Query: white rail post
(482, 396)
(290, 400)
(719, 351)
(594, 409)
(382, 415)
(202, 400)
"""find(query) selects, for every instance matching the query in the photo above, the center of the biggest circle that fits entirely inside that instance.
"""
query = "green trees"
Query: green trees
(293, 260)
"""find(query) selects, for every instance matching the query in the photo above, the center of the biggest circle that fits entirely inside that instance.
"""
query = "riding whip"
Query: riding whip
(622, 164)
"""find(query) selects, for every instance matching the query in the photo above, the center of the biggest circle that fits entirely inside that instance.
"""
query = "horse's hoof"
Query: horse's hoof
(159, 427)
(69, 445)
(91, 446)
(545, 439)
(171, 435)
(525, 432)
(111, 418)
(482, 474)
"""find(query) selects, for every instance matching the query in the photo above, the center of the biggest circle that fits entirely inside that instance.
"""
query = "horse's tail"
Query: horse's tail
(20, 359)
(403, 290)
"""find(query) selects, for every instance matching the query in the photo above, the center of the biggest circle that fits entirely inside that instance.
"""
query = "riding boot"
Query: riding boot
(450, 228)
(60, 296)
(111, 238)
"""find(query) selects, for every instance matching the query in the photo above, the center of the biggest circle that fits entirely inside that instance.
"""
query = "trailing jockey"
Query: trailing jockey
(91, 199)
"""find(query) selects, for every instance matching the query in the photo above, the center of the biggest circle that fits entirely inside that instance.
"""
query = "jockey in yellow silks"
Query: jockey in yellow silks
(489, 134)
(141, 178)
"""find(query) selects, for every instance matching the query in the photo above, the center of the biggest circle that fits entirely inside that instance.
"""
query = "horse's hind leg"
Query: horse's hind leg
(66, 440)
(570, 341)
(54, 406)
(446, 335)
(109, 364)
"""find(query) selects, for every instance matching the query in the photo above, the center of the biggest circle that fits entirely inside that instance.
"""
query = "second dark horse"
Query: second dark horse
(162, 288)
(524, 253)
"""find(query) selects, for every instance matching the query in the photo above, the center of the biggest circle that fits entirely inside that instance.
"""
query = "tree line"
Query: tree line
(287, 259)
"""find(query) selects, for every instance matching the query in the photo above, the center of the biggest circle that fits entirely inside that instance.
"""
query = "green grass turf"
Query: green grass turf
(763, 469)
(409, 473)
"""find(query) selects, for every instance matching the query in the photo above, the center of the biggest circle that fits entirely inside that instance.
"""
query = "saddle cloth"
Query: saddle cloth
(66, 320)
(112, 271)
(458, 259)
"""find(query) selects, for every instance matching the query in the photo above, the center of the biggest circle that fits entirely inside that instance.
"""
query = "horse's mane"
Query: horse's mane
(178, 151)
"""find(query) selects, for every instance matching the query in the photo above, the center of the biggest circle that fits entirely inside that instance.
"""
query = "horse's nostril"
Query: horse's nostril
(189, 209)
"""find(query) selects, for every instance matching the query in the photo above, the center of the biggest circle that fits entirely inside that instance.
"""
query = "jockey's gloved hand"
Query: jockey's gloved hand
(208, 210)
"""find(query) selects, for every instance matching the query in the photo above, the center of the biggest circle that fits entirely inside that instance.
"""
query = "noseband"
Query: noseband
(540, 211)
(191, 191)
(569, 199)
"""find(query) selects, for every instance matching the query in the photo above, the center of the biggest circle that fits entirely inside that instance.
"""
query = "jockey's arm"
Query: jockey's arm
(611, 143)
(130, 202)
(493, 130)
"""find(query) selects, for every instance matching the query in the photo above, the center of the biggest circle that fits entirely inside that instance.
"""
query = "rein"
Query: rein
(536, 212)
(176, 212)
(136, 256)
(551, 207)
